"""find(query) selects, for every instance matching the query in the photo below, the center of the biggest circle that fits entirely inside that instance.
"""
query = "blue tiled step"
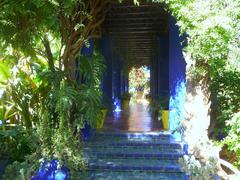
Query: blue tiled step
(144, 139)
(164, 155)
(127, 144)
(134, 134)
(131, 150)
(135, 168)
(131, 162)
(131, 175)
(136, 164)
(147, 156)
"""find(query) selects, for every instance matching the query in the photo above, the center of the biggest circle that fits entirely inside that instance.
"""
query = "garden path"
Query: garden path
(136, 118)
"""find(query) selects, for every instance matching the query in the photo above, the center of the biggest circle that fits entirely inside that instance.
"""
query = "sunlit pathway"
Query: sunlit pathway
(135, 118)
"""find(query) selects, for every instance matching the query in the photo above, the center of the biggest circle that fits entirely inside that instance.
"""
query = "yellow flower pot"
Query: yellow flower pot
(101, 118)
(125, 103)
(164, 118)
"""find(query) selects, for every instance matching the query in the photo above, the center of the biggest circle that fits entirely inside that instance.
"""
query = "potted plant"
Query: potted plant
(125, 98)
(105, 105)
(163, 111)
(160, 107)
(102, 117)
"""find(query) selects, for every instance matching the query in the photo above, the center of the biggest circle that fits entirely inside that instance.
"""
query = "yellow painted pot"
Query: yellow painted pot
(125, 103)
(101, 118)
(164, 118)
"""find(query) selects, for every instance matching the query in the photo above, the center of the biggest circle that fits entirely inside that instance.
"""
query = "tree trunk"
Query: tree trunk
(197, 122)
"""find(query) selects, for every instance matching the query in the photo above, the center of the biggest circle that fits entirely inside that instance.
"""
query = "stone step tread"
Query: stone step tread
(133, 162)
(134, 168)
(134, 134)
(162, 155)
(132, 140)
(134, 144)
(131, 175)
(128, 150)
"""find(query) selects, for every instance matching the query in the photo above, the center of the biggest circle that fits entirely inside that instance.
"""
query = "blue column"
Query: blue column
(154, 77)
(106, 48)
(163, 66)
(124, 81)
(177, 76)
(88, 50)
(85, 51)
(116, 76)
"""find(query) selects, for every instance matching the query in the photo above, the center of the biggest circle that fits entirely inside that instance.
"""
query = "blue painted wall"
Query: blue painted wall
(112, 83)
(154, 77)
(177, 76)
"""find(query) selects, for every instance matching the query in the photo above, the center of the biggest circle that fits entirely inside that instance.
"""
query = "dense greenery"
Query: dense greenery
(41, 97)
(212, 53)
(50, 109)
(233, 138)
(40, 94)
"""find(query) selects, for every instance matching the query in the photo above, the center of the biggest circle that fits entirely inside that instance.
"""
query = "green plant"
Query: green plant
(233, 138)
(126, 96)
(16, 143)
(160, 103)
(198, 170)
(21, 171)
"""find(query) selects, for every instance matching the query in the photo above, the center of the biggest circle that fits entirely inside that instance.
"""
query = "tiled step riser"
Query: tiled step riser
(131, 168)
(131, 175)
(132, 136)
(136, 140)
(135, 145)
(121, 155)
(136, 162)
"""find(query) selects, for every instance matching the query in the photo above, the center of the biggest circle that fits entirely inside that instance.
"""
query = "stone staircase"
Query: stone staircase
(129, 156)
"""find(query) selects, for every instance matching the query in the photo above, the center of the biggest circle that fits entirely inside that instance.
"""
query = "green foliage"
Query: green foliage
(212, 29)
(20, 94)
(28, 26)
(138, 78)
(21, 171)
(24, 22)
(225, 85)
(126, 96)
(92, 69)
(16, 143)
(197, 170)
(233, 138)
(160, 103)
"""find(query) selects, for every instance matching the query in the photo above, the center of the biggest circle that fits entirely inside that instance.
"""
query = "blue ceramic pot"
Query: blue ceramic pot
(50, 171)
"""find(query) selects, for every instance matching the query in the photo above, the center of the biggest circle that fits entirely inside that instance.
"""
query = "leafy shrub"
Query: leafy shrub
(16, 143)
(233, 138)
(197, 170)
(126, 96)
